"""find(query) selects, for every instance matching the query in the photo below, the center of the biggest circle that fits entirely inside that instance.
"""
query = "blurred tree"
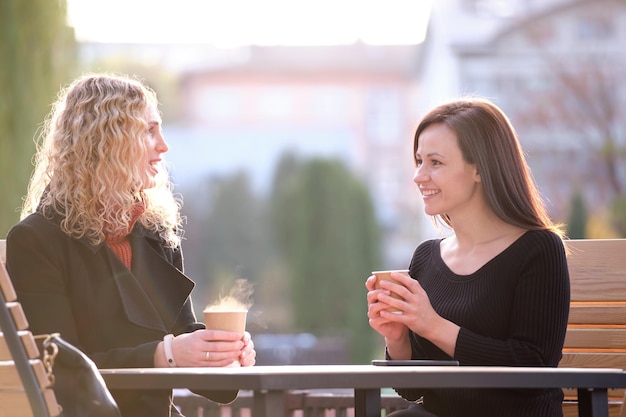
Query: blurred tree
(618, 215)
(226, 236)
(577, 222)
(580, 107)
(37, 51)
(327, 234)
(599, 226)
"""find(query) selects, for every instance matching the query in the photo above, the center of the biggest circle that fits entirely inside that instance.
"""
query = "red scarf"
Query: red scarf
(120, 245)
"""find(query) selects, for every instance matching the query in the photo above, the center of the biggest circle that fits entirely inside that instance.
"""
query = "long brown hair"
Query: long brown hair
(488, 140)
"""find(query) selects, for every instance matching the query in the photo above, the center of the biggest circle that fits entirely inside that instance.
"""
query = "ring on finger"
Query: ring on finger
(207, 354)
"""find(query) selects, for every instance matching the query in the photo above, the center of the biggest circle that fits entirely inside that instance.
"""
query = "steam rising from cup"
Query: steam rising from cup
(230, 311)
(239, 298)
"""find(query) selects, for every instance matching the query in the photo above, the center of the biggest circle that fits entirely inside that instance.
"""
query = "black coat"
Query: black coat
(115, 315)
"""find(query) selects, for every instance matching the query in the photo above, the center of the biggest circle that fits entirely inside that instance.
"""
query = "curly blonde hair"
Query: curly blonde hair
(86, 169)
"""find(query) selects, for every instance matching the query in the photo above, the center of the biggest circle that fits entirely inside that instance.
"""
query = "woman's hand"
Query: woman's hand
(416, 313)
(248, 354)
(213, 348)
(379, 319)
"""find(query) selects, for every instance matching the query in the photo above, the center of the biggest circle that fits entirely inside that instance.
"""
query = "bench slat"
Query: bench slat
(597, 313)
(593, 360)
(594, 338)
(19, 318)
(15, 404)
(597, 269)
(10, 378)
(6, 286)
(27, 340)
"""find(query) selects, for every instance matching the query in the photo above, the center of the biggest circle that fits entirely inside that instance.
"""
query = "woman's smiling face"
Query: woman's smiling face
(155, 145)
(446, 181)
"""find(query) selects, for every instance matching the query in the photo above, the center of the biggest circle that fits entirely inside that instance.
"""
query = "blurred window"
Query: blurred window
(384, 116)
(500, 8)
(276, 103)
(594, 28)
(220, 104)
(330, 103)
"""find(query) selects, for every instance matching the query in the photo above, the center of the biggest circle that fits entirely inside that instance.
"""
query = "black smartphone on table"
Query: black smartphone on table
(415, 362)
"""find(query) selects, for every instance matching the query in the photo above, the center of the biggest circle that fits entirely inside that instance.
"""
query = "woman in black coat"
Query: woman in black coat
(97, 255)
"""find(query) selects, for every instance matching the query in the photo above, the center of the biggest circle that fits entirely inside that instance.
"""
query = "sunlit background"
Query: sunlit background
(290, 125)
(236, 23)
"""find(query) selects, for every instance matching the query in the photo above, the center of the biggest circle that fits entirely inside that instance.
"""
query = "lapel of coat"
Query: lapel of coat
(154, 293)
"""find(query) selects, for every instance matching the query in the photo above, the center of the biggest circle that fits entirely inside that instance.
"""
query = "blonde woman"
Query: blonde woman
(97, 255)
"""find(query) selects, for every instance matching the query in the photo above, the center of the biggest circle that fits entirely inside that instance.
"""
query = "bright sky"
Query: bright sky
(228, 23)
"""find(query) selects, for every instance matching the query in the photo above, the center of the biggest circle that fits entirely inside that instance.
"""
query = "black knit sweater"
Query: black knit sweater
(512, 312)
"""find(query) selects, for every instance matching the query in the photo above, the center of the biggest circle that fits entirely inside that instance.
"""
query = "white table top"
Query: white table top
(363, 377)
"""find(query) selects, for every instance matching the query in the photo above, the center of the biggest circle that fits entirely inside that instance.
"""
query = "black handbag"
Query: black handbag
(78, 386)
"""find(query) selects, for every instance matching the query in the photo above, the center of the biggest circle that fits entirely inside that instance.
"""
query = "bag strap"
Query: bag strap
(49, 354)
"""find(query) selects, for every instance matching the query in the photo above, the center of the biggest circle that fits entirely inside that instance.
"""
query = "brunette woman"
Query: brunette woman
(493, 292)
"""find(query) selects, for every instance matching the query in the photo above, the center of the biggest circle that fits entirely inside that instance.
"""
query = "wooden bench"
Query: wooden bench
(25, 389)
(596, 330)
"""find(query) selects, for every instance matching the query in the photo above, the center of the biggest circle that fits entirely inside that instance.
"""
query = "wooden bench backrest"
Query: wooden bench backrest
(596, 331)
(25, 389)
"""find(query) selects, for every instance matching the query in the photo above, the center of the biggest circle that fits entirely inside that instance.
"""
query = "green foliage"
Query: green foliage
(577, 222)
(329, 239)
(228, 237)
(599, 226)
(618, 215)
(36, 50)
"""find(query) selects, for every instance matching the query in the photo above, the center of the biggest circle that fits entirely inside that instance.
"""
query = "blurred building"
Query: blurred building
(241, 108)
(352, 102)
(557, 69)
